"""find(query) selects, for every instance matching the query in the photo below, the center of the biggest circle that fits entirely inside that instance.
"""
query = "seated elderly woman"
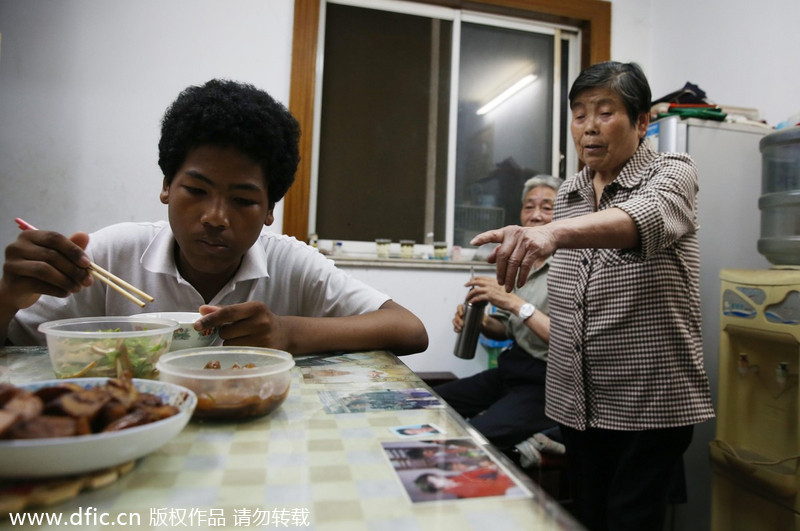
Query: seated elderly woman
(506, 404)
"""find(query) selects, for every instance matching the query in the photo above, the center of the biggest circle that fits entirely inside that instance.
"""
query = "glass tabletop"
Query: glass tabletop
(346, 450)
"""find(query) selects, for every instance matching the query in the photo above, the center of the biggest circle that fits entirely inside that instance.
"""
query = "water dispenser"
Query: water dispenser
(756, 452)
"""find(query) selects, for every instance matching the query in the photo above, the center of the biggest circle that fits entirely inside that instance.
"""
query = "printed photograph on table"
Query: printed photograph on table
(314, 360)
(373, 360)
(417, 430)
(449, 469)
(354, 374)
(357, 367)
(378, 400)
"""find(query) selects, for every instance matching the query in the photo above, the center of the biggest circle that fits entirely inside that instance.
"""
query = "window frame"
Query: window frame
(592, 17)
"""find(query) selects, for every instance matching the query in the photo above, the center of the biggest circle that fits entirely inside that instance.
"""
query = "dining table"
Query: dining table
(342, 452)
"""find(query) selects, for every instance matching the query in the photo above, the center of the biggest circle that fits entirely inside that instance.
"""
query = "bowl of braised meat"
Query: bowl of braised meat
(70, 426)
(231, 383)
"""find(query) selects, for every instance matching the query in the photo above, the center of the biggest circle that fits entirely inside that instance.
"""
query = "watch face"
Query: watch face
(526, 310)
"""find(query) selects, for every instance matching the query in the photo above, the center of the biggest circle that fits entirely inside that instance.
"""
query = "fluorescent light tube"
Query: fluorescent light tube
(510, 91)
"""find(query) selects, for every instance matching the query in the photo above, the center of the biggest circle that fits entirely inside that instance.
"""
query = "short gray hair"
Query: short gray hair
(625, 79)
(541, 180)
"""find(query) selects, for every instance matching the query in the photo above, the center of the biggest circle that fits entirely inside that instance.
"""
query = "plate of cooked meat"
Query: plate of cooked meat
(71, 426)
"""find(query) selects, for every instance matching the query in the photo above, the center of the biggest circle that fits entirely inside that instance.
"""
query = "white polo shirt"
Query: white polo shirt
(287, 275)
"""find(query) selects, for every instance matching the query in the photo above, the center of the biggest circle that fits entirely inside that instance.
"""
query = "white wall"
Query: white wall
(83, 86)
(433, 295)
(739, 52)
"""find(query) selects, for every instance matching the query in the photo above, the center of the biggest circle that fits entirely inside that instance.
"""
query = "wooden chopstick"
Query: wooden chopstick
(108, 282)
(121, 282)
(106, 277)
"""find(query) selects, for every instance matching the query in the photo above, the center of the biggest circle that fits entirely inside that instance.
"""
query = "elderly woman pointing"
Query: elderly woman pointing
(625, 378)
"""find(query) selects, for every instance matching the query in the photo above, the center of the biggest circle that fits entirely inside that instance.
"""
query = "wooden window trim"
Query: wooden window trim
(593, 17)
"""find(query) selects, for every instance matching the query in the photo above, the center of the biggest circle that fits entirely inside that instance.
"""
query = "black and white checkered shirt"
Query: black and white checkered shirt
(625, 341)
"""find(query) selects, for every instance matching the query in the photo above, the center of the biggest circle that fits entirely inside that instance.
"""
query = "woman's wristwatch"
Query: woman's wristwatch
(526, 310)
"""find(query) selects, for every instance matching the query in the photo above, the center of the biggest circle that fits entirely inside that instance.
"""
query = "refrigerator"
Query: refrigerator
(729, 179)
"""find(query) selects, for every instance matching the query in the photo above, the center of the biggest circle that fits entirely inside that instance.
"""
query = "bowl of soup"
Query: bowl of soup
(230, 382)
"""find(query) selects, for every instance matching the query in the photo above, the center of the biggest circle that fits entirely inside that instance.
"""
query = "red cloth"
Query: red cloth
(483, 481)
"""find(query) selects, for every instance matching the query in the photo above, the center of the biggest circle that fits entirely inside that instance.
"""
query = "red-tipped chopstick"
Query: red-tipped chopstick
(112, 281)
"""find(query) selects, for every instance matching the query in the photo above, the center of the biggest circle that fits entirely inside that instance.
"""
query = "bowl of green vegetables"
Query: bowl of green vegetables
(107, 346)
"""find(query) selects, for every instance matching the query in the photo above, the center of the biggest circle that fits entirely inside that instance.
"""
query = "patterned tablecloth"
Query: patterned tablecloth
(304, 466)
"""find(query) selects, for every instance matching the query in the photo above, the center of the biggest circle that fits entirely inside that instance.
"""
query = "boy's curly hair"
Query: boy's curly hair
(231, 114)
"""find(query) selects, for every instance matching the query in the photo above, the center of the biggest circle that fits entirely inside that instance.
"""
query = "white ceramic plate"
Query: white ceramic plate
(61, 456)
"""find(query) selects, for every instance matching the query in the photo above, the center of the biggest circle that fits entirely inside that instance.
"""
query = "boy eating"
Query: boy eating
(228, 152)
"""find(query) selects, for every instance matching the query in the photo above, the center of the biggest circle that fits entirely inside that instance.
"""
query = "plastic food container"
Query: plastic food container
(107, 346)
(185, 336)
(250, 381)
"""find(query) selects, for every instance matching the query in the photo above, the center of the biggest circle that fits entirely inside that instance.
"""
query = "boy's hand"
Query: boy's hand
(44, 263)
(249, 324)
